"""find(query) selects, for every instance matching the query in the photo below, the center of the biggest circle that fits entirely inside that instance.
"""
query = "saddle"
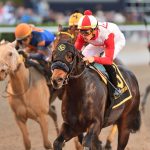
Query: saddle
(122, 85)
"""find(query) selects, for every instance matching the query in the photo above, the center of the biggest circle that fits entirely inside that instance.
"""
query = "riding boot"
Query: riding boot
(30, 63)
(113, 79)
(40, 68)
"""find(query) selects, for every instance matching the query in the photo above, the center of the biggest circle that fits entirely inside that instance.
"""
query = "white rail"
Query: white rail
(54, 28)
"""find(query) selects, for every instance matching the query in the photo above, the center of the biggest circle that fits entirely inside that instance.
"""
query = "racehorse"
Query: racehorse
(70, 35)
(85, 101)
(28, 93)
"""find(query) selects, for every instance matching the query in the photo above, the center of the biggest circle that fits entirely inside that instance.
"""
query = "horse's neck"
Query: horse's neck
(19, 79)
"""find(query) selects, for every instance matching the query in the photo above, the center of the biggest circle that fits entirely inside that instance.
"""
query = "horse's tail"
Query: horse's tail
(135, 123)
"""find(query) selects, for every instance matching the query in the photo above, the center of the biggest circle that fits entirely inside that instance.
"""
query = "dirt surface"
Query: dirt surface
(10, 135)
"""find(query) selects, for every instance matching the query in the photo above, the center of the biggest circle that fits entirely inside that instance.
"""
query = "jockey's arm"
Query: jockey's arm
(109, 51)
(18, 46)
(79, 43)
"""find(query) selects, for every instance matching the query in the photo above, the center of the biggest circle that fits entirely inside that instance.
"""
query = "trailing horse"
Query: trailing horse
(28, 93)
(85, 101)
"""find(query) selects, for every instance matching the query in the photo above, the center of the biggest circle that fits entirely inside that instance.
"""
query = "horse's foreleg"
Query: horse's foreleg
(43, 121)
(123, 136)
(110, 137)
(53, 114)
(91, 141)
(78, 142)
(23, 127)
(66, 133)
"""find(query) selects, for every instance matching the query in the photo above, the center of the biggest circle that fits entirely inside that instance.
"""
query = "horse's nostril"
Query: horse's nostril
(2, 71)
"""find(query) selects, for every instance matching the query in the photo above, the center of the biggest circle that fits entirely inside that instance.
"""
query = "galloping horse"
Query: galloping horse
(28, 93)
(70, 35)
(85, 101)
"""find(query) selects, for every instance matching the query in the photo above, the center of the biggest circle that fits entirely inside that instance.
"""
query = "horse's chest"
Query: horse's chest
(74, 118)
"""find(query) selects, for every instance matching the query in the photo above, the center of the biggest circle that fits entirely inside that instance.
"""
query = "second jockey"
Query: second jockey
(35, 41)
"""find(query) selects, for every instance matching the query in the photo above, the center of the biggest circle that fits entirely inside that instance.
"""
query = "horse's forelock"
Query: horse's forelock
(2, 42)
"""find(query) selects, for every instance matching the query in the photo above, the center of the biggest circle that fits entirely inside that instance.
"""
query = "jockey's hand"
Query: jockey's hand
(89, 59)
(23, 53)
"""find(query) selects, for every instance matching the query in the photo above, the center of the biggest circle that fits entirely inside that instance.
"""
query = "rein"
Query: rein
(78, 75)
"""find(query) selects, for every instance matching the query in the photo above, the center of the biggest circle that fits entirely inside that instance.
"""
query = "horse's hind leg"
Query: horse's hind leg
(43, 121)
(123, 135)
(110, 137)
(53, 114)
(23, 127)
(145, 98)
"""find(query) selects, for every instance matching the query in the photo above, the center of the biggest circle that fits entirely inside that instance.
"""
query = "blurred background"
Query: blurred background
(132, 17)
(58, 11)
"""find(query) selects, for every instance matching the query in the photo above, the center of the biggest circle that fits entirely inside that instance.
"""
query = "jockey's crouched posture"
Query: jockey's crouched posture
(103, 38)
(35, 42)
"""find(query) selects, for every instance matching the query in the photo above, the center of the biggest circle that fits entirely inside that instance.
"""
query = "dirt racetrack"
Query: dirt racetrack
(135, 56)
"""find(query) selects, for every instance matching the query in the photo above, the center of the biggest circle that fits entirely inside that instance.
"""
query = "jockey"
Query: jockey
(35, 41)
(105, 41)
(73, 22)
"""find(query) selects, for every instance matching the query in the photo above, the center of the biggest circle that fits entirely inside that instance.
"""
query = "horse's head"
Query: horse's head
(64, 34)
(8, 59)
(64, 62)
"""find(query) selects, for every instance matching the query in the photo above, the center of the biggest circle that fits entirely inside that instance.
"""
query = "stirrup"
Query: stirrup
(117, 93)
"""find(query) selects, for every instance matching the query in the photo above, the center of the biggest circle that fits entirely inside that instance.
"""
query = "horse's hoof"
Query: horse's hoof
(57, 145)
(107, 147)
(86, 148)
(48, 146)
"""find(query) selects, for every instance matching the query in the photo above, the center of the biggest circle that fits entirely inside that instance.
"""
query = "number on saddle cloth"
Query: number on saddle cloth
(126, 93)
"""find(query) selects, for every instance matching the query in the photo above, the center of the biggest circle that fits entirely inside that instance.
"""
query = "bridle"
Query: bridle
(70, 37)
(66, 66)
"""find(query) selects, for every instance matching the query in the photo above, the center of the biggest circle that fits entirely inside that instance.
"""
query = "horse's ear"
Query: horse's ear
(59, 27)
(2, 41)
(13, 44)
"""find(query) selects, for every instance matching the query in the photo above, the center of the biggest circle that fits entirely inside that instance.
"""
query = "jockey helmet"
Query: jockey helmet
(88, 21)
(74, 18)
(22, 31)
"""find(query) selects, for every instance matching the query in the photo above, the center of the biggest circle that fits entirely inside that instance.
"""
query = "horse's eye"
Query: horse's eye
(69, 57)
(10, 54)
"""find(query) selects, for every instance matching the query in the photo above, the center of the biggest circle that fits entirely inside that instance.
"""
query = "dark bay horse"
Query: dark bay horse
(85, 101)
(69, 35)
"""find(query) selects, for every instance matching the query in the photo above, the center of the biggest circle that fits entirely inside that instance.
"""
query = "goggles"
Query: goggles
(86, 32)
(23, 40)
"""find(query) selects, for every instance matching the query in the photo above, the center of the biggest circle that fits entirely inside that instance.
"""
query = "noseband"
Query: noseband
(68, 67)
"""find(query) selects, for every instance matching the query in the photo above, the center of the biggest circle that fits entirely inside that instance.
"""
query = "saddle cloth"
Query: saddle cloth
(125, 91)
(122, 85)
